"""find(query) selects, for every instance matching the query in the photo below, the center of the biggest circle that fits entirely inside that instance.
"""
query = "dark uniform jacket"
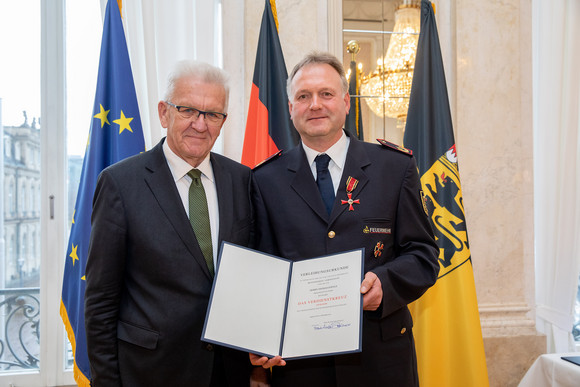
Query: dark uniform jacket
(389, 221)
(148, 284)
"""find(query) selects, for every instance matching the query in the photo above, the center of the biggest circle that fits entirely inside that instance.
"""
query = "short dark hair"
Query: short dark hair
(317, 57)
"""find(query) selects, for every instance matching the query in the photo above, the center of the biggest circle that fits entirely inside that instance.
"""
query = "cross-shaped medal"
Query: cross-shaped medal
(350, 202)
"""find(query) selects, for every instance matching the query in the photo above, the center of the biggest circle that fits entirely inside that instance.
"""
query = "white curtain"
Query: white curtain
(159, 33)
(556, 77)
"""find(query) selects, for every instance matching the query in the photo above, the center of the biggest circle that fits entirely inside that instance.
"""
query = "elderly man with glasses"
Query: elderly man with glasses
(158, 219)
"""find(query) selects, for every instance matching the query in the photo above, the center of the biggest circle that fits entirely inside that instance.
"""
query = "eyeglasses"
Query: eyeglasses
(189, 112)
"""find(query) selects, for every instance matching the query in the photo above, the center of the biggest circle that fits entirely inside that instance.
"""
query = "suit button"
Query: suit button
(209, 347)
(331, 234)
(403, 330)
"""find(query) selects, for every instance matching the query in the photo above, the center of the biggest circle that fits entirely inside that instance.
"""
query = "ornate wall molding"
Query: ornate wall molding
(506, 320)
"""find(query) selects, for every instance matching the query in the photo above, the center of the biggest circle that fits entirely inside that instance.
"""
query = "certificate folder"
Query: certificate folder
(272, 306)
(572, 359)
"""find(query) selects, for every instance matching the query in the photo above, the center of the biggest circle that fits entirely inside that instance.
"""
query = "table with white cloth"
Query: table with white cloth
(551, 370)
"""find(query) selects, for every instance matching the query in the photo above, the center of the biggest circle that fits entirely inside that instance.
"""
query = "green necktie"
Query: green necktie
(199, 217)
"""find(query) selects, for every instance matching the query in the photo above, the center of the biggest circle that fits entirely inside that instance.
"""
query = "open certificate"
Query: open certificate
(272, 306)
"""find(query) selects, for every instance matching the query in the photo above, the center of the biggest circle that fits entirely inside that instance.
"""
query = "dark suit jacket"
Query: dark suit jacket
(390, 223)
(148, 285)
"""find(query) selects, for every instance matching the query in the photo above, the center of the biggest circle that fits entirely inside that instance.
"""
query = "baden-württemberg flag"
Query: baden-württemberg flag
(115, 134)
(446, 318)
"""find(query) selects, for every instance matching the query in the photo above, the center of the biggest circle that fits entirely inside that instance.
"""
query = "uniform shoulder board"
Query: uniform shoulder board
(395, 146)
(267, 160)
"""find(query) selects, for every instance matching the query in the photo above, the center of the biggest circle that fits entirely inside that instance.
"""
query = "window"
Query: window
(34, 214)
(20, 107)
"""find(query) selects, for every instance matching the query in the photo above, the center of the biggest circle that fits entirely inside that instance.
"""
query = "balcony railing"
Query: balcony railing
(20, 324)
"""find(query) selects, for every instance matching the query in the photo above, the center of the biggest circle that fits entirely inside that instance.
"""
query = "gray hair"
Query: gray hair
(317, 57)
(200, 71)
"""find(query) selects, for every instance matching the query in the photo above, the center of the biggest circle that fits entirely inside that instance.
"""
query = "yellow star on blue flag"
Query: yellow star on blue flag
(123, 123)
(103, 116)
(74, 254)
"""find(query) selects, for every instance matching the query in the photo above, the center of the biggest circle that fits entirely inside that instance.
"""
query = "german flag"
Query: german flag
(446, 327)
(268, 128)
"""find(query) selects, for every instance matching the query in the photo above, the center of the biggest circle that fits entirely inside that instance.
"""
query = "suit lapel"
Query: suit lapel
(160, 181)
(356, 160)
(303, 182)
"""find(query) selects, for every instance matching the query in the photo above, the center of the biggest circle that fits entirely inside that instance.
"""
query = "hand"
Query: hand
(372, 291)
(263, 361)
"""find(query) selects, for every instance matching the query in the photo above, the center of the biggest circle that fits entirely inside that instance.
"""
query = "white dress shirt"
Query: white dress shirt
(337, 154)
(179, 169)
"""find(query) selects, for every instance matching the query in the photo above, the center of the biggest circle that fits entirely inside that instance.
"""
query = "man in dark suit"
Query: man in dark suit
(149, 274)
(373, 201)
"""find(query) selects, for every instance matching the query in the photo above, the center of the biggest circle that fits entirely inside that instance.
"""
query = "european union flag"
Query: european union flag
(115, 134)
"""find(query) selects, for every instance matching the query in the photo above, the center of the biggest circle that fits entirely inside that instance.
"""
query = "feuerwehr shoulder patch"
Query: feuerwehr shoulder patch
(390, 145)
(267, 160)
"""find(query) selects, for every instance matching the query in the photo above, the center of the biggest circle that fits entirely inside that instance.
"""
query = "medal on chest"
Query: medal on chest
(351, 183)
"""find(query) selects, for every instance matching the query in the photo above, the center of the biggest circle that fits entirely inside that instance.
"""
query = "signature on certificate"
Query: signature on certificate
(331, 325)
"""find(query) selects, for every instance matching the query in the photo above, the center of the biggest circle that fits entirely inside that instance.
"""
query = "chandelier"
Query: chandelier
(389, 86)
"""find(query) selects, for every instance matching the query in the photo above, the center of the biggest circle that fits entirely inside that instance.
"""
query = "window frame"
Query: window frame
(53, 192)
(52, 202)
